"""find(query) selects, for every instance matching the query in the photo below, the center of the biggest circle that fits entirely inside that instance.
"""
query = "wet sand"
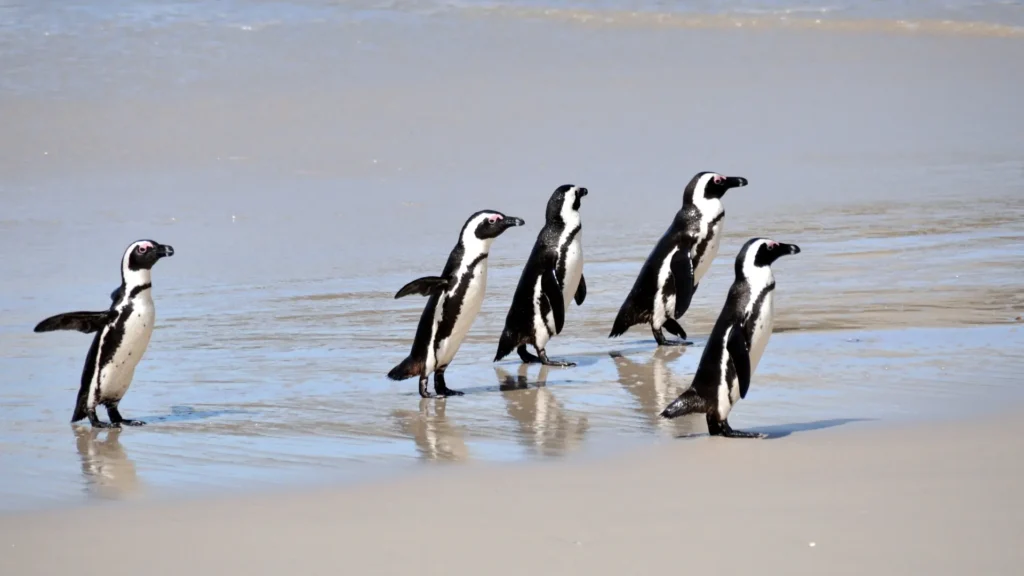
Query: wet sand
(937, 498)
(305, 170)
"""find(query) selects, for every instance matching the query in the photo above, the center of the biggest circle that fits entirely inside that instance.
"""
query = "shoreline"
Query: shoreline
(895, 499)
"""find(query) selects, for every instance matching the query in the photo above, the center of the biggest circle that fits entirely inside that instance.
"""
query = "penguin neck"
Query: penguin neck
(709, 208)
(473, 246)
(758, 277)
(135, 282)
(570, 218)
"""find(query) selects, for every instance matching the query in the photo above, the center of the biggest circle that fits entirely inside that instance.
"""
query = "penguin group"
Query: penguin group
(551, 280)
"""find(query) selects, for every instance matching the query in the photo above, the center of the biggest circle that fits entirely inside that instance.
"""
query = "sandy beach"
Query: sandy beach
(938, 498)
(306, 159)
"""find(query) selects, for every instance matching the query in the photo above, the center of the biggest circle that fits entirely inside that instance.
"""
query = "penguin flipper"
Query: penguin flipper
(689, 402)
(426, 286)
(581, 291)
(682, 273)
(549, 286)
(85, 322)
(737, 347)
(406, 369)
(116, 294)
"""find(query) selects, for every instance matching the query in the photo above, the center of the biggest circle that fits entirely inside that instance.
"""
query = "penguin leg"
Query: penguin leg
(525, 355)
(96, 422)
(721, 428)
(115, 417)
(659, 337)
(424, 393)
(549, 362)
(439, 385)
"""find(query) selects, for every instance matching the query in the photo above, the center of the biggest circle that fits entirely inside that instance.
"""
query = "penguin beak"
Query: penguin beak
(582, 192)
(164, 250)
(790, 248)
(510, 221)
(734, 182)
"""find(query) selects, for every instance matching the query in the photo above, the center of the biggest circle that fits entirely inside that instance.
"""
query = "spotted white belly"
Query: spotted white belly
(709, 253)
(115, 377)
(573, 269)
(444, 351)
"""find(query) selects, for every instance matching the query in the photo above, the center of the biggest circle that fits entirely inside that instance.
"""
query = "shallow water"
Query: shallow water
(307, 170)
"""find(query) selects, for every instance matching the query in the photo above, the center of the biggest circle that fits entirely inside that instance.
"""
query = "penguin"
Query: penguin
(664, 288)
(550, 281)
(736, 342)
(453, 302)
(122, 335)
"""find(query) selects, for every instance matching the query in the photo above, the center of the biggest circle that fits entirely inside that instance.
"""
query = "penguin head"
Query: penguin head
(710, 186)
(564, 204)
(760, 253)
(143, 254)
(488, 224)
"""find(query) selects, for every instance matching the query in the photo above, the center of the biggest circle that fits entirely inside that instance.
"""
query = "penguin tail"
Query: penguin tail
(689, 402)
(508, 342)
(406, 369)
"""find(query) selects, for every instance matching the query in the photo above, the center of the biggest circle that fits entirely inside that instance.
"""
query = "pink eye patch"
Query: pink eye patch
(494, 218)
(718, 179)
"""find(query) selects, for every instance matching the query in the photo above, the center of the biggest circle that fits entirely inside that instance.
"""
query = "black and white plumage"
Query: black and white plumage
(454, 299)
(551, 279)
(737, 341)
(664, 288)
(122, 335)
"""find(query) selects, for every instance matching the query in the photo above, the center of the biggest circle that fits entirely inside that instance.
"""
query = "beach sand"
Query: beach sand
(306, 164)
(937, 498)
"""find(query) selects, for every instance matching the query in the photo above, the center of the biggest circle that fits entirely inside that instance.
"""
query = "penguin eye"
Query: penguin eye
(718, 179)
(493, 219)
(142, 249)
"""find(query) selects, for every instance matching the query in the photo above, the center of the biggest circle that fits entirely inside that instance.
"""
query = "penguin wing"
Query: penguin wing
(737, 347)
(426, 286)
(549, 286)
(581, 291)
(116, 294)
(86, 322)
(682, 271)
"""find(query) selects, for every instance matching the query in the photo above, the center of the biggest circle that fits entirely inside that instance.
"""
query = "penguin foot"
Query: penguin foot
(117, 420)
(446, 392)
(101, 424)
(526, 357)
(441, 388)
(659, 337)
(549, 362)
(716, 428)
(741, 434)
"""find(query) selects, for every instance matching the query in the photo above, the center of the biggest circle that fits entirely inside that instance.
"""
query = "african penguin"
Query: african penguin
(551, 279)
(454, 301)
(122, 335)
(662, 291)
(736, 342)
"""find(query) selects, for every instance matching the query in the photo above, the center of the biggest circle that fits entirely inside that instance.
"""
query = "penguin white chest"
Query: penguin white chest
(664, 301)
(713, 232)
(471, 302)
(763, 325)
(573, 269)
(116, 375)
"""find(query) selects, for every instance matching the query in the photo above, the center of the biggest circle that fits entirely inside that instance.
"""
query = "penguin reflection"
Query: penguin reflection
(435, 436)
(544, 426)
(107, 470)
(653, 384)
